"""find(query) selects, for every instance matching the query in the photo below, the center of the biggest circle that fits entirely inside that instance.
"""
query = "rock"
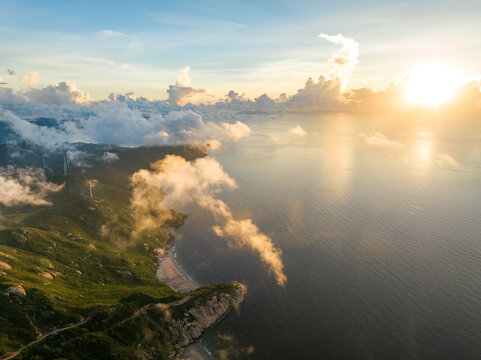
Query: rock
(4, 266)
(159, 252)
(16, 290)
(7, 255)
(47, 275)
(205, 314)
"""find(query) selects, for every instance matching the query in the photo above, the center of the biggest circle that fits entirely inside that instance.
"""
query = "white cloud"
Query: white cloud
(181, 93)
(25, 186)
(115, 123)
(446, 160)
(39, 135)
(63, 93)
(378, 139)
(111, 34)
(109, 157)
(175, 182)
(79, 158)
(346, 59)
(297, 130)
(32, 79)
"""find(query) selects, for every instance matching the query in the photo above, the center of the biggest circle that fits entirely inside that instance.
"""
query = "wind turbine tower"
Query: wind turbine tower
(65, 166)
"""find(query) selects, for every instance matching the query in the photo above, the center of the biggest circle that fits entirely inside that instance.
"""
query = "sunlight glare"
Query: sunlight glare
(432, 85)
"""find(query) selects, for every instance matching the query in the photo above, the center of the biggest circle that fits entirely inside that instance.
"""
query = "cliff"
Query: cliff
(202, 312)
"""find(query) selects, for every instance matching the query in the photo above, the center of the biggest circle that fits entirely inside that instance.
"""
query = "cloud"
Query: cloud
(1, 81)
(175, 183)
(446, 160)
(297, 130)
(116, 123)
(378, 139)
(11, 72)
(109, 157)
(63, 93)
(32, 79)
(79, 158)
(25, 186)
(323, 95)
(181, 93)
(39, 135)
(346, 59)
(111, 34)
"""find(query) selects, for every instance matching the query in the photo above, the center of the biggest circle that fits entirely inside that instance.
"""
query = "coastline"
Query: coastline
(171, 272)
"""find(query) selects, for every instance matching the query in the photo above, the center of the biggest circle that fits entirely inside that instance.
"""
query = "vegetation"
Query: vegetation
(81, 258)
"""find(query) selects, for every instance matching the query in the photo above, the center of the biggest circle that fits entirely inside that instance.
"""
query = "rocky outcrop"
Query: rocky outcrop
(16, 290)
(204, 313)
(4, 266)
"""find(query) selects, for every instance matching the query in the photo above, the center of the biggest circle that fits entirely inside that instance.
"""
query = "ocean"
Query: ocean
(379, 222)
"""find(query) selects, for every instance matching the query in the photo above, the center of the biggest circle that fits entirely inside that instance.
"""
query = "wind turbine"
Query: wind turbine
(65, 166)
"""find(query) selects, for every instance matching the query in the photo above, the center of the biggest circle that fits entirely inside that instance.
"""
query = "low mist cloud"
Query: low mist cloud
(109, 157)
(25, 186)
(174, 183)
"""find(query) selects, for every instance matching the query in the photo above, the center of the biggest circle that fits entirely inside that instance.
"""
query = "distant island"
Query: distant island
(79, 281)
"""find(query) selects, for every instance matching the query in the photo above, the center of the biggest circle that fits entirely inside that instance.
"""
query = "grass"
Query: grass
(81, 254)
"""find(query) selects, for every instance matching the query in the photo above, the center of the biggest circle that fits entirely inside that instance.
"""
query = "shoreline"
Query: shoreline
(170, 272)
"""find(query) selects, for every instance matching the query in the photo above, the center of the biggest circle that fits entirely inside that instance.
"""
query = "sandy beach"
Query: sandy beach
(169, 272)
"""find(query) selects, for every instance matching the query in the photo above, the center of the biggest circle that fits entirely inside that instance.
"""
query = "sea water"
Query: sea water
(379, 222)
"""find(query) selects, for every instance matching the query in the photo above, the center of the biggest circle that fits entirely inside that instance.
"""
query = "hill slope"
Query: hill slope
(82, 259)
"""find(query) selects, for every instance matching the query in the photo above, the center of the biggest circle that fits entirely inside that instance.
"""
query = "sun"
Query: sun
(432, 85)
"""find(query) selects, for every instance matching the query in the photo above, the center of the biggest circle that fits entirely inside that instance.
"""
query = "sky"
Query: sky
(251, 47)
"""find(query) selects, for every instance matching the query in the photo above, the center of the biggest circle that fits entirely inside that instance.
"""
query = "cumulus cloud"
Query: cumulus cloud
(117, 124)
(346, 59)
(63, 93)
(25, 186)
(323, 95)
(32, 79)
(446, 160)
(174, 183)
(297, 130)
(182, 93)
(378, 139)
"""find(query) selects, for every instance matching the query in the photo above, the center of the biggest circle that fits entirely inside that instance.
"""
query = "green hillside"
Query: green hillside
(79, 257)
